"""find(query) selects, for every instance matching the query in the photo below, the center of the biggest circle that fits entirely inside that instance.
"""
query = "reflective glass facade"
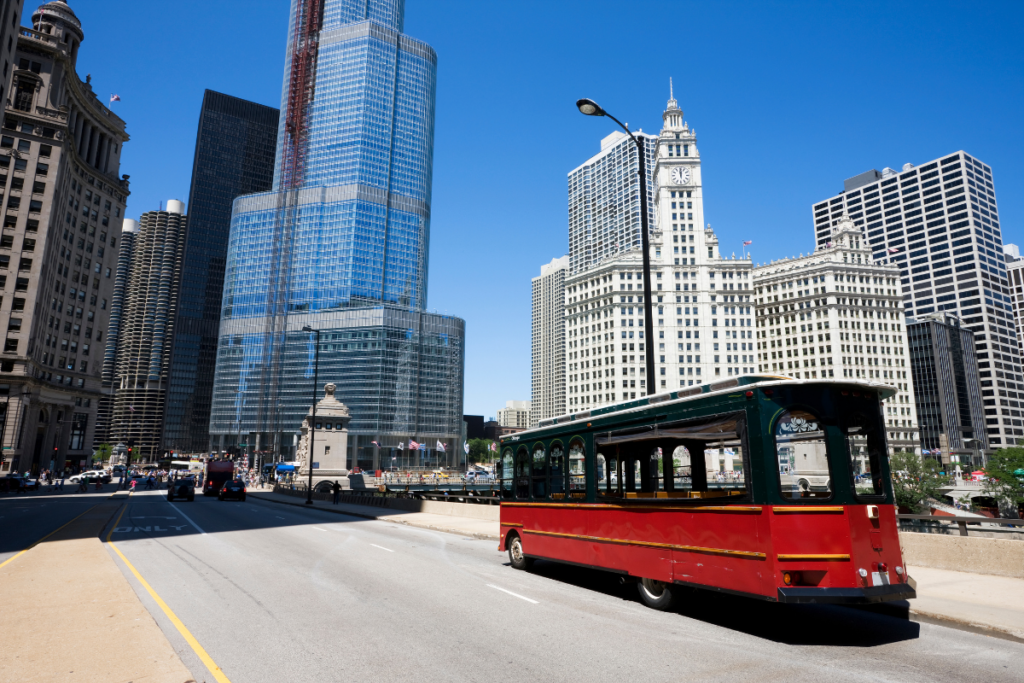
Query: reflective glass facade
(341, 244)
(235, 149)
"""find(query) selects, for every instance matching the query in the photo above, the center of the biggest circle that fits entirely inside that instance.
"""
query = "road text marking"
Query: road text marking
(189, 638)
(517, 595)
(382, 547)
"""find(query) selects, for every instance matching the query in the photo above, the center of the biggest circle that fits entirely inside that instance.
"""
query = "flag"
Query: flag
(401, 446)
(893, 250)
(492, 446)
(465, 447)
(375, 444)
(413, 446)
(828, 244)
(440, 447)
(115, 98)
(131, 408)
(748, 243)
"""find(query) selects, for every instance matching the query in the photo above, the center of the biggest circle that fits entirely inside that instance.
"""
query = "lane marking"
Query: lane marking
(189, 638)
(186, 517)
(319, 529)
(382, 547)
(279, 517)
(517, 595)
(4, 564)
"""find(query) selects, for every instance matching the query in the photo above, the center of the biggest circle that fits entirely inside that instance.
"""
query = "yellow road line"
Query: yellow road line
(189, 638)
(41, 540)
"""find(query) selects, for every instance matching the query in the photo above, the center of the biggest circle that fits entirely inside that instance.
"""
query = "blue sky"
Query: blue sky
(787, 98)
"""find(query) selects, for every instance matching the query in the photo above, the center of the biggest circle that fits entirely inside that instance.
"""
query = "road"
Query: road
(26, 518)
(282, 593)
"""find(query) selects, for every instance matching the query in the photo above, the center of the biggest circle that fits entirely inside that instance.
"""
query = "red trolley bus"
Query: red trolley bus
(769, 487)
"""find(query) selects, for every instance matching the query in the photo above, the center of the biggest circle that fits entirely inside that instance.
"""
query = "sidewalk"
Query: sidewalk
(464, 526)
(69, 614)
(976, 601)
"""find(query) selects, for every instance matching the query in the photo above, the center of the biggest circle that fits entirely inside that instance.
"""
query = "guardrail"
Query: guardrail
(962, 522)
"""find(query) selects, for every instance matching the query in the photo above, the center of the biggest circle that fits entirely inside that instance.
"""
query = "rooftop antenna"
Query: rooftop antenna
(671, 95)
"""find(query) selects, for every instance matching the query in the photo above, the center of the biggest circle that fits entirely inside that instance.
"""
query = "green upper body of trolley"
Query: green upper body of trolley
(786, 428)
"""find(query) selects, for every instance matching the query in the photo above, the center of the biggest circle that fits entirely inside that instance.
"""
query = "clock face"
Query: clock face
(680, 175)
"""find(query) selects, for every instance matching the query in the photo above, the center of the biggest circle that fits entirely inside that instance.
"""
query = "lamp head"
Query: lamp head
(589, 107)
(307, 328)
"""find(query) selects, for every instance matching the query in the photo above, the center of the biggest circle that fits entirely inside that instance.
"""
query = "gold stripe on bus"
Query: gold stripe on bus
(648, 544)
(518, 526)
(809, 510)
(783, 558)
(639, 508)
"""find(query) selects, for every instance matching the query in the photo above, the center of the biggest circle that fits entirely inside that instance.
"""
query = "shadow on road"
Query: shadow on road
(788, 624)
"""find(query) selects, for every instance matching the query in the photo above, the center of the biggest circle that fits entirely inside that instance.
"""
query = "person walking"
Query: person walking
(337, 491)
(59, 482)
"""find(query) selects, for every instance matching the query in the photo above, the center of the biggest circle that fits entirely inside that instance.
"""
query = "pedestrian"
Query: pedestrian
(59, 481)
(337, 491)
(133, 485)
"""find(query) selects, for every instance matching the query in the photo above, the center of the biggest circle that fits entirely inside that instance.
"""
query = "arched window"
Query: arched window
(577, 469)
(556, 465)
(539, 472)
(802, 451)
(523, 474)
(507, 473)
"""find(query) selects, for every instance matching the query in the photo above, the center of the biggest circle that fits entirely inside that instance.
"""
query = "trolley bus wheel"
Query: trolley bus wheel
(516, 556)
(656, 594)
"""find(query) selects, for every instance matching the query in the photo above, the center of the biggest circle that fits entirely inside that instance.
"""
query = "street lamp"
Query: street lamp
(312, 421)
(592, 108)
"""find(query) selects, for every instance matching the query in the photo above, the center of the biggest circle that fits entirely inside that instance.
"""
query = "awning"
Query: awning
(286, 468)
(715, 430)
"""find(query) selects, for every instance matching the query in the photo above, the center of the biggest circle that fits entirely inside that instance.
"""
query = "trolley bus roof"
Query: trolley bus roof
(748, 382)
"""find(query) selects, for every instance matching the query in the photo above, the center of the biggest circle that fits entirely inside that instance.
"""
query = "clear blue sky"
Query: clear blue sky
(788, 99)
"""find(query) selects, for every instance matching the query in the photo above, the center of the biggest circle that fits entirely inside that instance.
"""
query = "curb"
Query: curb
(961, 625)
(368, 515)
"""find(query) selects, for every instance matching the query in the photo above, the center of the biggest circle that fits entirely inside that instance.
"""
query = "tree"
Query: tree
(102, 453)
(478, 451)
(1005, 472)
(914, 480)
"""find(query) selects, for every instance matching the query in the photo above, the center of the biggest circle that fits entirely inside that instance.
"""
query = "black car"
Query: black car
(234, 488)
(182, 488)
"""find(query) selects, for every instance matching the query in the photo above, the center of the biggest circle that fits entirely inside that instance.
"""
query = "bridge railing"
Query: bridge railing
(962, 522)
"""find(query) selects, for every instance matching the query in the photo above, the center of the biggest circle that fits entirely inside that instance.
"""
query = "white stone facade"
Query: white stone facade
(329, 430)
(835, 314)
(547, 343)
(516, 414)
(703, 315)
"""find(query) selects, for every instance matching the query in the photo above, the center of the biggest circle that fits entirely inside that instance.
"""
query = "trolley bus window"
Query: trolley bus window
(507, 476)
(682, 469)
(607, 475)
(557, 468)
(865, 446)
(578, 470)
(802, 456)
(540, 472)
(522, 474)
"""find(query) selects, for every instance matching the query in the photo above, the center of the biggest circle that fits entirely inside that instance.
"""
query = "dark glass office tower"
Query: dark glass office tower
(340, 245)
(235, 150)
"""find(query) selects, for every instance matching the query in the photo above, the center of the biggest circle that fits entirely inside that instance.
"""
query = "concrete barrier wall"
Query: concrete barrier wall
(489, 513)
(963, 554)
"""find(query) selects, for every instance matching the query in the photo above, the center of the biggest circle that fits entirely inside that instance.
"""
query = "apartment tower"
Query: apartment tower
(939, 224)
(547, 347)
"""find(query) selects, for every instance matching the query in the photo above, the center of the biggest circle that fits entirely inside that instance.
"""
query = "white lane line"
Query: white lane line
(319, 529)
(382, 547)
(198, 528)
(279, 517)
(491, 585)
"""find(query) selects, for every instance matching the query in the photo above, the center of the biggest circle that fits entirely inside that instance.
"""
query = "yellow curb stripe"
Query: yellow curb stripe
(42, 539)
(189, 638)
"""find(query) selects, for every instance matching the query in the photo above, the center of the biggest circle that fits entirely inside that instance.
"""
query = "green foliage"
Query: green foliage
(914, 480)
(478, 452)
(1005, 481)
(102, 453)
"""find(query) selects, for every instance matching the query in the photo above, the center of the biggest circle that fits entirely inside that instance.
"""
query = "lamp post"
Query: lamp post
(592, 108)
(312, 422)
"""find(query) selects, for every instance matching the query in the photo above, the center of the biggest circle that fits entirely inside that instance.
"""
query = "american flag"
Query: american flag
(375, 444)
(492, 447)
(115, 98)
(893, 250)
(413, 446)
(748, 243)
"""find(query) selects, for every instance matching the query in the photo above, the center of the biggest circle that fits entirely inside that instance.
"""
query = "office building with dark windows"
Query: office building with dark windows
(940, 224)
(235, 149)
(947, 389)
(62, 208)
(340, 246)
(146, 327)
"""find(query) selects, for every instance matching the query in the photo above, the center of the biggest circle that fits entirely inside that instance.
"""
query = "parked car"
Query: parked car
(475, 475)
(13, 481)
(184, 487)
(233, 488)
(92, 475)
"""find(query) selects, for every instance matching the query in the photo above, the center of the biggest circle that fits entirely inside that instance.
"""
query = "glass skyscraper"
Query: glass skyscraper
(340, 245)
(235, 148)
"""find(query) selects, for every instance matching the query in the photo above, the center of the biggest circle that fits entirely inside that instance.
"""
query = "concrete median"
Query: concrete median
(964, 554)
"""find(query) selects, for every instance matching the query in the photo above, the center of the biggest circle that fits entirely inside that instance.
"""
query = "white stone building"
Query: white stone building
(516, 414)
(837, 314)
(703, 316)
(547, 343)
(1015, 276)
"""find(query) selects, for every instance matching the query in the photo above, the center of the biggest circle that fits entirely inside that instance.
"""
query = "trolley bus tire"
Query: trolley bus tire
(656, 594)
(516, 558)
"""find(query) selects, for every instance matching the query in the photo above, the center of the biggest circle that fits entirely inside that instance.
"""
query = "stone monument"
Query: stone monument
(330, 442)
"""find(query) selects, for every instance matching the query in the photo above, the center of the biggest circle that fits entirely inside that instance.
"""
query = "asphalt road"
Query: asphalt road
(280, 593)
(27, 517)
